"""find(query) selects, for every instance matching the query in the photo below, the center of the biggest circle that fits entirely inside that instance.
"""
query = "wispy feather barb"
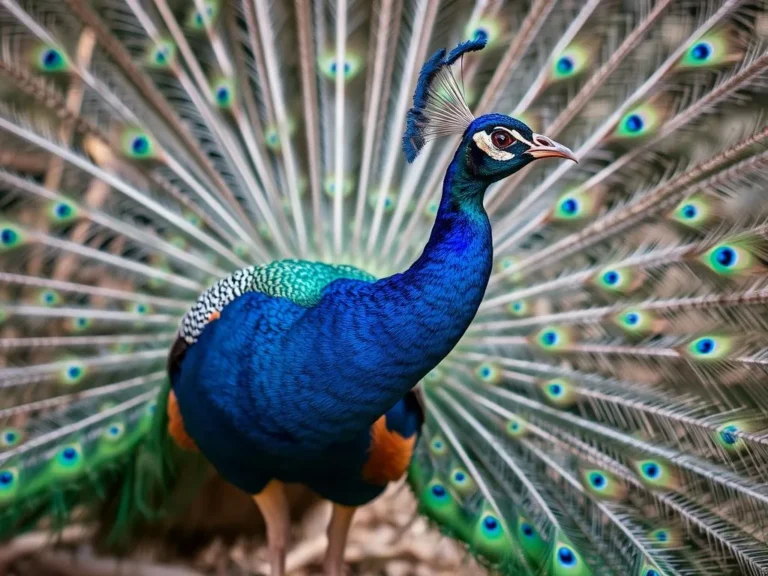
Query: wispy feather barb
(439, 108)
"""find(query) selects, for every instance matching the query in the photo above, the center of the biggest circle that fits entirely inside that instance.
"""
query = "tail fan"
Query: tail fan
(606, 411)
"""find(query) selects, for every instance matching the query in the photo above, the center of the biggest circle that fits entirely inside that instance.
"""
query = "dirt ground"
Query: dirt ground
(387, 538)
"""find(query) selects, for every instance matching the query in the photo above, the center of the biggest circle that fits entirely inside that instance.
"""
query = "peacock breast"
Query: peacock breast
(233, 389)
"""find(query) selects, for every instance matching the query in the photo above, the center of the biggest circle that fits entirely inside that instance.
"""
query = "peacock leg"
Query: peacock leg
(338, 529)
(273, 505)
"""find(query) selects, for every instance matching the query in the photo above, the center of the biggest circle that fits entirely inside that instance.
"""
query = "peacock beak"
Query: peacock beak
(544, 147)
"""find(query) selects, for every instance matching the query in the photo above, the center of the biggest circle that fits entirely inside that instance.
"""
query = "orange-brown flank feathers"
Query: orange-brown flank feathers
(176, 426)
(390, 454)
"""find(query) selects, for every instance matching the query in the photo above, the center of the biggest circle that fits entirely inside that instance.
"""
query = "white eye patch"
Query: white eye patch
(483, 141)
(519, 137)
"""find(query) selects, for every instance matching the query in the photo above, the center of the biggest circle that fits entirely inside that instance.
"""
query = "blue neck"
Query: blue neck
(380, 339)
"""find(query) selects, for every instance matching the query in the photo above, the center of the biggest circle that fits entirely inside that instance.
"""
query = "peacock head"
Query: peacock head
(496, 146)
(493, 146)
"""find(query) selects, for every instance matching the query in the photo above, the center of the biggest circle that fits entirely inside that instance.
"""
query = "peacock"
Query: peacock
(311, 243)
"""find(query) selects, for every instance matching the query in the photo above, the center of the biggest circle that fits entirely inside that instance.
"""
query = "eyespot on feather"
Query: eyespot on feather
(507, 266)
(603, 485)
(516, 427)
(136, 144)
(488, 28)
(49, 297)
(491, 537)
(114, 432)
(709, 348)
(696, 211)
(9, 485)
(712, 50)
(272, 134)
(223, 92)
(729, 435)
(534, 547)
(63, 211)
(72, 372)
(566, 560)
(732, 259)
(553, 339)
(438, 502)
(389, 202)
(11, 237)
(618, 280)
(559, 392)
(488, 373)
(649, 569)
(68, 461)
(10, 437)
(666, 537)
(571, 62)
(638, 322)
(49, 59)
(161, 55)
(462, 482)
(79, 324)
(519, 308)
(350, 68)
(657, 474)
(199, 20)
(575, 206)
(640, 122)
(437, 446)
(330, 185)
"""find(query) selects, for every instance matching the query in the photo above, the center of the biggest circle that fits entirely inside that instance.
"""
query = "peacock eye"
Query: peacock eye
(566, 556)
(501, 139)
(438, 490)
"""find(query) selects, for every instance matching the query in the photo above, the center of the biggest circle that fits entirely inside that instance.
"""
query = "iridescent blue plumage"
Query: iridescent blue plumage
(248, 383)
(282, 373)
(289, 389)
(290, 371)
(358, 471)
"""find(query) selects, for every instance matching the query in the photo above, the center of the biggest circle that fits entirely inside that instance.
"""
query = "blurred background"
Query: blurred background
(221, 532)
(222, 535)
